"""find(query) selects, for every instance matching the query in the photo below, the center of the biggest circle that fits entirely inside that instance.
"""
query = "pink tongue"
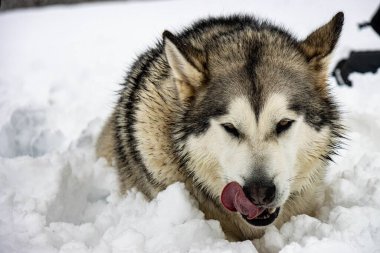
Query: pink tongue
(234, 199)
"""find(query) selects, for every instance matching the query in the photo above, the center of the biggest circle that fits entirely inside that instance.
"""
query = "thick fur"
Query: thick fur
(167, 125)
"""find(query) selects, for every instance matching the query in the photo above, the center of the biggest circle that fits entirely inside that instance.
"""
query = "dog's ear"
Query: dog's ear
(187, 65)
(322, 41)
(319, 45)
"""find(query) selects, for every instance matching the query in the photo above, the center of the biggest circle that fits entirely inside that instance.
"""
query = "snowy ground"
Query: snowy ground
(59, 70)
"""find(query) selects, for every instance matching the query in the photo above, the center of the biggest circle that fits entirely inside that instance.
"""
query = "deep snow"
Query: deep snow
(59, 73)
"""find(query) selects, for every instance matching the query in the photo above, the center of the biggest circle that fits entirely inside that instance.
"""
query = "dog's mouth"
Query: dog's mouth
(265, 218)
(234, 199)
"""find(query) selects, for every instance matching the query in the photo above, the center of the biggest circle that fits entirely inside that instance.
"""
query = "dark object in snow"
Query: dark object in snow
(374, 23)
(360, 62)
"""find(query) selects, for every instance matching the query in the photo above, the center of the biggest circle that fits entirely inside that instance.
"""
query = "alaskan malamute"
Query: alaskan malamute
(239, 111)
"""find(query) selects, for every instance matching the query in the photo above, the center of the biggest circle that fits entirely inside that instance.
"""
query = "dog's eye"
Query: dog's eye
(231, 129)
(283, 125)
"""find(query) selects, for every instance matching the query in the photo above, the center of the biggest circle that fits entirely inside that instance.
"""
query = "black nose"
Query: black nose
(261, 193)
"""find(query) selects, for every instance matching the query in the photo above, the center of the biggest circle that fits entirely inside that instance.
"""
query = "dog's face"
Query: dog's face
(257, 114)
(260, 153)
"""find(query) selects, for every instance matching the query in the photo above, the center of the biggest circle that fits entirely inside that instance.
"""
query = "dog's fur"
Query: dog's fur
(203, 107)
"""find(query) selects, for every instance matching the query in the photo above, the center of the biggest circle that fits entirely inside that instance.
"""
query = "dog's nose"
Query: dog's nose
(261, 193)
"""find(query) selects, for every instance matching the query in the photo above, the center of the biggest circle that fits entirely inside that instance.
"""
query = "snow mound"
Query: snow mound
(69, 202)
(27, 134)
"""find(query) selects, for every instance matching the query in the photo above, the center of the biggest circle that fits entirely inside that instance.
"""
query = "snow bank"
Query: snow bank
(60, 68)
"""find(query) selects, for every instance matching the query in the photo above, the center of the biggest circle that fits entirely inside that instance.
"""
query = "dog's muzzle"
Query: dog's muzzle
(234, 199)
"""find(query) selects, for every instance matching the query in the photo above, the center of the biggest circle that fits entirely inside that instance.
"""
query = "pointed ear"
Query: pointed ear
(319, 45)
(322, 41)
(187, 65)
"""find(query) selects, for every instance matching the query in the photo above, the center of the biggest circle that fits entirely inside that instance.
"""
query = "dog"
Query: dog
(238, 110)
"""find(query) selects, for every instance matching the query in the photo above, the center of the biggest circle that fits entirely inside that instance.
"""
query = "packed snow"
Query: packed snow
(59, 73)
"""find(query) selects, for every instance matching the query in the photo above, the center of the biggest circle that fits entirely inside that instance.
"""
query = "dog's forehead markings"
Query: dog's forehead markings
(240, 110)
(274, 109)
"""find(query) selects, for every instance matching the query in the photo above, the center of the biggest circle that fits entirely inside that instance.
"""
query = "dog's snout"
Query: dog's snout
(261, 193)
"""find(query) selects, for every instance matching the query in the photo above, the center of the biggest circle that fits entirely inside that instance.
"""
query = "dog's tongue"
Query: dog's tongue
(234, 199)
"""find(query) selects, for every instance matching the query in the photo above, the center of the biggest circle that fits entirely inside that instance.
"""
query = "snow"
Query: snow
(59, 72)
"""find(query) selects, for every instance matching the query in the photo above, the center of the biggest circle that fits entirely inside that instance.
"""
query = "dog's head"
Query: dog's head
(258, 121)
